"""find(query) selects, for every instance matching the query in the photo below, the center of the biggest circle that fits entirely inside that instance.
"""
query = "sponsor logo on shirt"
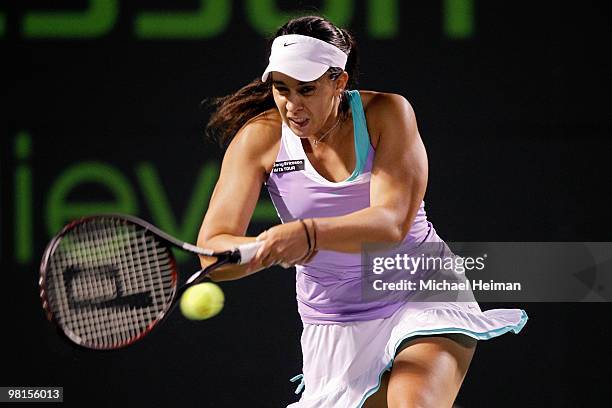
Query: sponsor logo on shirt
(288, 166)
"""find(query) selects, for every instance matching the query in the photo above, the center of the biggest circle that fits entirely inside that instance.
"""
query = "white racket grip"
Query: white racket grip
(197, 250)
(248, 251)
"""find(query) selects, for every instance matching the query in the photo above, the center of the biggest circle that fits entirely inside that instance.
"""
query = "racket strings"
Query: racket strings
(108, 282)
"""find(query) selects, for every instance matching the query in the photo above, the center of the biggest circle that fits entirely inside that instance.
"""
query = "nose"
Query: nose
(294, 104)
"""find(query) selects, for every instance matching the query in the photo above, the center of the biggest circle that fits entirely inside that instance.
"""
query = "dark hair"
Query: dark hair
(234, 110)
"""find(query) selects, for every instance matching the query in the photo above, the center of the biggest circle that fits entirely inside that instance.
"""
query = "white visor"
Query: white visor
(303, 58)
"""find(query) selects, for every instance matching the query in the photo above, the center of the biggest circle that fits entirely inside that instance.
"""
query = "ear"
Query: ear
(341, 82)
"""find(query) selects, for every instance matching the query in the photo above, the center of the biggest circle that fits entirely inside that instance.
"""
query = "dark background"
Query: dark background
(515, 118)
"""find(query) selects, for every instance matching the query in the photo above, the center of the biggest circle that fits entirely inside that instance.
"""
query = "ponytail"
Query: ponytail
(234, 110)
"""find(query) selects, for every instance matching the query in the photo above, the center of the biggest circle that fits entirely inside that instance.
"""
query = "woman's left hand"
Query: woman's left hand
(282, 244)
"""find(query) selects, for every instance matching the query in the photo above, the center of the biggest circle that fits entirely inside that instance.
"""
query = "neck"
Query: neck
(328, 133)
(330, 128)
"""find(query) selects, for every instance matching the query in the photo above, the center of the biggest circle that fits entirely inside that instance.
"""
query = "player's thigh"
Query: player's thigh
(429, 370)
(379, 398)
(462, 357)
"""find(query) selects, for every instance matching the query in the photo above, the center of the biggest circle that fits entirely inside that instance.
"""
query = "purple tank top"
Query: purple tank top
(328, 288)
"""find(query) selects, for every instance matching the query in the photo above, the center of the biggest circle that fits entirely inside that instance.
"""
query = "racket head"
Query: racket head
(106, 281)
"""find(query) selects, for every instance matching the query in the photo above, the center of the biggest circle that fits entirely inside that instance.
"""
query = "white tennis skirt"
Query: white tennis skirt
(343, 363)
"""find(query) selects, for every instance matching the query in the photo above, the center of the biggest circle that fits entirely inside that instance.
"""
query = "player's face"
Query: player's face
(308, 108)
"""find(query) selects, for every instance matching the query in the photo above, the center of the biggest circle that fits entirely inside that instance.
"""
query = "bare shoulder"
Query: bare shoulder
(258, 139)
(260, 131)
(383, 110)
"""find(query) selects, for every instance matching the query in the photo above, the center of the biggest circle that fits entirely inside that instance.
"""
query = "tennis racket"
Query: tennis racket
(106, 281)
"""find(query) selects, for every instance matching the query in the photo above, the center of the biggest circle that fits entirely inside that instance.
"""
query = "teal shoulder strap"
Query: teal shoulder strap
(360, 130)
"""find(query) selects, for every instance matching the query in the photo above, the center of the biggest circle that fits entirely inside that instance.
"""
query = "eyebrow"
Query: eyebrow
(278, 82)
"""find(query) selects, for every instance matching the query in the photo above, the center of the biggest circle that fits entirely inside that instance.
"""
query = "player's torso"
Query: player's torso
(307, 181)
(335, 160)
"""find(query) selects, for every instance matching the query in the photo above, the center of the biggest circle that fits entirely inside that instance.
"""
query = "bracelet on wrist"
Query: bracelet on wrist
(314, 233)
(308, 252)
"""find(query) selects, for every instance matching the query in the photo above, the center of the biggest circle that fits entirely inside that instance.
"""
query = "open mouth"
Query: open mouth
(299, 123)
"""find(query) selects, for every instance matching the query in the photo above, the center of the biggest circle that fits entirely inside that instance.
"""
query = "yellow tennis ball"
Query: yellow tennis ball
(202, 301)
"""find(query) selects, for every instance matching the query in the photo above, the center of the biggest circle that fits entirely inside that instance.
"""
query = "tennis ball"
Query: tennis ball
(202, 301)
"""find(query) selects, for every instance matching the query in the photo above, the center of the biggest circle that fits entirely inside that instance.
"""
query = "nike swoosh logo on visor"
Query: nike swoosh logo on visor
(286, 44)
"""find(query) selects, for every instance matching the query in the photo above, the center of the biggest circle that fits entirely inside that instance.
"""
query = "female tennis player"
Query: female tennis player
(343, 168)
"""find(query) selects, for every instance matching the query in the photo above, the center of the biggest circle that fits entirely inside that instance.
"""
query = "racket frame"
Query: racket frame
(224, 257)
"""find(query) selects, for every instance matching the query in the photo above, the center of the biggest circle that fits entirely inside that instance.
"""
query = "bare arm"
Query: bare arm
(235, 195)
(397, 186)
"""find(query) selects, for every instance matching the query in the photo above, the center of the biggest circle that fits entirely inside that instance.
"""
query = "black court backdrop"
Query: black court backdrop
(101, 112)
